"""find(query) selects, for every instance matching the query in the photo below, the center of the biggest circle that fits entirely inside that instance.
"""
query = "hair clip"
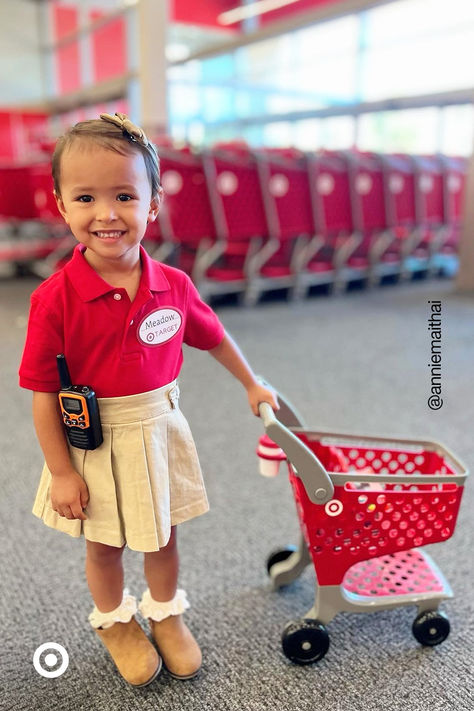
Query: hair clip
(135, 133)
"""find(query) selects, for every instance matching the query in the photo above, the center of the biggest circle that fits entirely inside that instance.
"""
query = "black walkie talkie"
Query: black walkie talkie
(79, 409)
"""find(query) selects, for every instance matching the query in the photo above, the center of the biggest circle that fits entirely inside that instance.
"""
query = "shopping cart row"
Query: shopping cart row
(248, 221)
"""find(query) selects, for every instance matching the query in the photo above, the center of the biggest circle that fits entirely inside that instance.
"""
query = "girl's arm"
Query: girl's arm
(69, 493)
(230, 356)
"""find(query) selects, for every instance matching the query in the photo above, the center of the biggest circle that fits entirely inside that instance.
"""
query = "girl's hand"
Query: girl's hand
(69, 495)
(257, 393)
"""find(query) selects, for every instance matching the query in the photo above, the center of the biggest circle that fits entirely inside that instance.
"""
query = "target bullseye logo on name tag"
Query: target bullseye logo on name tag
(159, 326)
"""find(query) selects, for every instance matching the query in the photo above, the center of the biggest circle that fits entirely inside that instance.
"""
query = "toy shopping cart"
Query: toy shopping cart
(366, 505)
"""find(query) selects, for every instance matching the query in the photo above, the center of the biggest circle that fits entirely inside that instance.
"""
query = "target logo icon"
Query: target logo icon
(227, 183)
(47, 665)
(172, 182)
(325, 184)
(333, 507)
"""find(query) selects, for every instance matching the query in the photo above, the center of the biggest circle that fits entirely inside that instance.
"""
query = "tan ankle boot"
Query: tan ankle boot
(134, 655)
(176, 644)
(179, 650)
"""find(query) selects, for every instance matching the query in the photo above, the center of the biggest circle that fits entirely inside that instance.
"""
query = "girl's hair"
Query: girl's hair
(110, 136)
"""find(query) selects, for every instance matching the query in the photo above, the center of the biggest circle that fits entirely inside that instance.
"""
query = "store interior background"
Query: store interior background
(392, 76)
(387, 76)
(313, 74)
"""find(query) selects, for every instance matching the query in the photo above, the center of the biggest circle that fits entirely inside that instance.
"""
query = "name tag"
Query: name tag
(159, 326)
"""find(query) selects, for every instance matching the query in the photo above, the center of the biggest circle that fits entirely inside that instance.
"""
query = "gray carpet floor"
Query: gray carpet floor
(356, 362)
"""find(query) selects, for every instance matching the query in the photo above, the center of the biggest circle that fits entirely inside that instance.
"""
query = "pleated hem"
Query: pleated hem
(75, 529)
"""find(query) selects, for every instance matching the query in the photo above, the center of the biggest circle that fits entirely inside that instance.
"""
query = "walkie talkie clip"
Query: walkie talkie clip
(79, 410)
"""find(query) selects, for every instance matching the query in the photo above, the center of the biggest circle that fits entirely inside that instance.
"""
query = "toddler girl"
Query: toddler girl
(121, 318)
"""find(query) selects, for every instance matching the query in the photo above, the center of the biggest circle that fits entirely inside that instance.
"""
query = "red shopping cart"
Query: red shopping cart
(454, 187)
(238, 211)
(335, 240)
(185, 230)
(366, 262)
(429, 202)
(366, 505)
(287, 204)
(401, 239)
(32, 232)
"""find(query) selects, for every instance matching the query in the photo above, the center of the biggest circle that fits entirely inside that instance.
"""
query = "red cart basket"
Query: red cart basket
(366, 505)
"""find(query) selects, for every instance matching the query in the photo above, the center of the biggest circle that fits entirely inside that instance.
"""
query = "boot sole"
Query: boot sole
(145, 683)
(184, 677)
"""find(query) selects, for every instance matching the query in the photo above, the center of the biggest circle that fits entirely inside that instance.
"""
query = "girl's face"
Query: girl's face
(106, 201)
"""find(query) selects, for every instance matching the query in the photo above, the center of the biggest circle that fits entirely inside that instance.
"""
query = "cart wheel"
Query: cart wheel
(305, 641)
(431, 628)
(278, 556)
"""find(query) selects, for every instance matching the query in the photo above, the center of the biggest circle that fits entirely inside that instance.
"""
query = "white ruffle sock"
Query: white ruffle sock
(158, 611)
(123, 613)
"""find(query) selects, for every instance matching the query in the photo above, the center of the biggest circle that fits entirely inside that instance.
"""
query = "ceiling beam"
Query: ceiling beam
(294, 22)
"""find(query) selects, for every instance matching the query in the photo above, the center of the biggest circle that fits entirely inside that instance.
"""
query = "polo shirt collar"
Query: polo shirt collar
(153, 276)
(89, 285)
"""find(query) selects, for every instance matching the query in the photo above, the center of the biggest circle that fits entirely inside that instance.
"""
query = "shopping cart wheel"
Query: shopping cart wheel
(278, 556)
(305, 641)
(431, 628)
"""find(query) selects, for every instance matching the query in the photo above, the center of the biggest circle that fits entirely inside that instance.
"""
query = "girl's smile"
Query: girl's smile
(111, 236)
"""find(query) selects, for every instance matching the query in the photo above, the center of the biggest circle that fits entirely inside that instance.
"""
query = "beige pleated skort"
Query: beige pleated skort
(144, 478)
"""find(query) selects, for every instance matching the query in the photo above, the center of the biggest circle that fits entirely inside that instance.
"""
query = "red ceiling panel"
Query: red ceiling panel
(65, 21)
(109, 48)
(293, 9)
(207, 11)
(200, 13)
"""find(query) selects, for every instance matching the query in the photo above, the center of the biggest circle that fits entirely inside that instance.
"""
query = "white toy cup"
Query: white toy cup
(270, 455)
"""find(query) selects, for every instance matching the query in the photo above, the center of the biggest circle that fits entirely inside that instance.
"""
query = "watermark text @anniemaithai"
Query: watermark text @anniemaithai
(435, 401)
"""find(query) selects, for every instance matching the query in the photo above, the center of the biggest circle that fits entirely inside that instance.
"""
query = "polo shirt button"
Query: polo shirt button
(131, 322)
(117, 297)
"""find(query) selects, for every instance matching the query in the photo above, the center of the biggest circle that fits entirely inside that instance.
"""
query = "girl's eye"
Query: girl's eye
(84, 198)
(123, 197)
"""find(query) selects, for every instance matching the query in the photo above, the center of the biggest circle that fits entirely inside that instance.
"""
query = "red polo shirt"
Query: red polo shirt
(116, 346)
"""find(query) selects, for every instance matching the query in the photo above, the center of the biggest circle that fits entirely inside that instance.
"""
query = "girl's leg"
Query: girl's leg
(134, 655)
(176, 644)
(161, 570)
(104, 571)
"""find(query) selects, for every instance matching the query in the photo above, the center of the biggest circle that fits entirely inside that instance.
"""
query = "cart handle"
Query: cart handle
(315, 478)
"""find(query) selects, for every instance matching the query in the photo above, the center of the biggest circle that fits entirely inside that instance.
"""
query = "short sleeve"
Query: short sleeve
(203, 329)
(44, 340)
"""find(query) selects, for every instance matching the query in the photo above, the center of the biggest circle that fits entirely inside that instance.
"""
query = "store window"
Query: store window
(338, 132)
(417, 47)
(300, 71)
(266, 92)
(278, 134)
(307, 134)
(409, 131)
(457, 130)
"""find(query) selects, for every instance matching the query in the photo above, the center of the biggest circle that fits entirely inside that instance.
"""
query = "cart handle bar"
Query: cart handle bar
(315, 478)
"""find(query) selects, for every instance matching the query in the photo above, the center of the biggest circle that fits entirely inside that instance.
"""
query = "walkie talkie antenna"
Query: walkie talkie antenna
(63, 371)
